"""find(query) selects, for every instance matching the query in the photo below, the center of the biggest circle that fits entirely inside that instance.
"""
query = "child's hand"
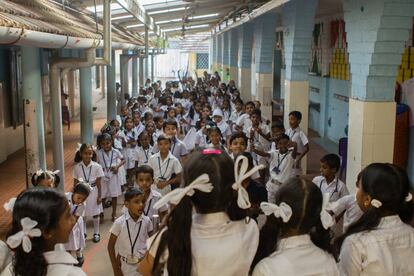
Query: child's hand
(98, 200)
(114, 170)
(162, 184)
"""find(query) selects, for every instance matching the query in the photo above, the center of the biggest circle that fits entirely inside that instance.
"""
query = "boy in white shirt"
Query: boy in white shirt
(129, 234)
(243, 123)
(167, 168)
(281, 165)
(299, 137)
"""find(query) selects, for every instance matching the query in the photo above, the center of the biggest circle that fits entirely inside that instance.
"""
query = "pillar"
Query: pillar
(86, 116)
(32, 94)
(220, 54)
(245, 38)
(103, 80)
(134, 76)
(71, 92)
(124, 64)
(298, 20)
(146, 69)
(212, 53)
(233, 55)
(225, 56)
(152, 66)
(141, 72)
(111, 109)
(215, 56)
(44, 75)
(265, 41)
(377, 31)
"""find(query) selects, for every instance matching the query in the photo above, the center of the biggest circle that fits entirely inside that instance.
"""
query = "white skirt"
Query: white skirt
(76, 237)
(92, 208)
(111, 187)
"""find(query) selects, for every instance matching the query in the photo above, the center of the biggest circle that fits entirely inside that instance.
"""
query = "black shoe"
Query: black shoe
(108, 204)
(81, 260)
(96, 238)
(85, 235)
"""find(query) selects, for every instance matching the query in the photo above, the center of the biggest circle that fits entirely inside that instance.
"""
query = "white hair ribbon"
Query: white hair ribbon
(9, 205)
(409, 197)
(23, 237)
(327, 219)
(376, 203)
(283, 211)
(39, 172)
(78, 147)
(201, 183)
(239, 175)
(56, 171)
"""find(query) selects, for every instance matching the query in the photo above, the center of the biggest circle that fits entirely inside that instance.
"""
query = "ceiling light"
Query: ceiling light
(204, 16)
(135, 26)
(167, 10)
(122, 17)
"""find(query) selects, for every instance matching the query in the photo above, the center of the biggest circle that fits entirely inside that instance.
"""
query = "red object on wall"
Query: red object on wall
(401, 140)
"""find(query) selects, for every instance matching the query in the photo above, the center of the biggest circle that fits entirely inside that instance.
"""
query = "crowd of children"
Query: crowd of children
(196, 167)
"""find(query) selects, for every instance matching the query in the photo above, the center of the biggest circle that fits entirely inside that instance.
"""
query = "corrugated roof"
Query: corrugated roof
(48, 17)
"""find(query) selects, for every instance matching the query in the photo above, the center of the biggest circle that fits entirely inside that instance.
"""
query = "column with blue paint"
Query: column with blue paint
(245, 44)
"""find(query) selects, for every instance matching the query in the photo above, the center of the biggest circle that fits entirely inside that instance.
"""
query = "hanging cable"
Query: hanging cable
(96, 17)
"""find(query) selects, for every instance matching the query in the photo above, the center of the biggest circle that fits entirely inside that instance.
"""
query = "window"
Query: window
(202, 61)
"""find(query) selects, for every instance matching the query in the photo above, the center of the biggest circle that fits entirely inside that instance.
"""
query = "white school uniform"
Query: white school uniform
(192, 122)
(164, 169)
(201, 139)
(298, 136)
(178, 148)
(128, 151)
(226, 115)
(260, 142)
(233, 118)
(59, 263)
(121, 170)
(125, 239)
(348, 204)
(297, 255)
(217, 244)
(245, 122)
(142, 155)
(139, 128)
(280, 170)
(111, 183)
(386, 250)
(336, 189)
(224, 128)
(5, 255)
(77, 235)
(89, 174)
(150, 211)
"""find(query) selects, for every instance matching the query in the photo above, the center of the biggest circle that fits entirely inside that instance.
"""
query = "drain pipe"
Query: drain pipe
(65, 65)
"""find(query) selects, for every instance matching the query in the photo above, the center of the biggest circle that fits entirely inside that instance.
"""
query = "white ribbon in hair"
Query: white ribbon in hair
(201, 183)
(376, 203)
(239, 175)
(283, 211)
(39, 172)
(9, 205)
(78, 146)
(327, 219)
(409, 197)
(23, 237)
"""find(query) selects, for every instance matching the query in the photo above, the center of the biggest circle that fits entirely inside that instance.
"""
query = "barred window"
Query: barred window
(202, 61)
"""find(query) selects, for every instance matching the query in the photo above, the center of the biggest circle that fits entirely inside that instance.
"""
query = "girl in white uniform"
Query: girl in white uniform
(111, 160)
(76, 200)
(91, 172)
(129, 141)
(380, 243)
(218, 229)
(297, 225)
(41, 219)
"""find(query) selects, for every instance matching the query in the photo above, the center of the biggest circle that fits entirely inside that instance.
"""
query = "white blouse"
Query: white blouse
(386, 250)
(297, 255)
(219, 246)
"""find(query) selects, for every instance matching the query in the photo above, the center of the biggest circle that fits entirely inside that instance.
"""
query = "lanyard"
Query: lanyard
(136, 238)
(104, 161)
(279, 162)
(84, 174)
(336, 186)
(146, 154)
(166, 169)
(173, 148)
(75, 209)
(292, 134)
(148, 209)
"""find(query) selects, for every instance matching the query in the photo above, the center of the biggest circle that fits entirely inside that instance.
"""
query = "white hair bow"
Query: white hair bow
(409, 197)
(9, 205)
(327, 219)
(201, 183)
(376, 203)
(23, 237)
(283, 211)
(239, 175)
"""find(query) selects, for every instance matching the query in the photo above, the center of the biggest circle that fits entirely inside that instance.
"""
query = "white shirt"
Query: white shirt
(149, 210)
(224, 129)
(385, 251)
(164, 169)
(108, 160)
(139, 228)
(128, 135)
(298, 136)
(336, 189)
(235, 115)
(76, 210)
(5, 255)
(201, 139)
(219, 246)
(348, 204)
(88, 173)
(60, 263)
(178, 148)
(259, 141)
(139, 128)
(297, 255)
(245, 122)
(281, 165)
(142, 155)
